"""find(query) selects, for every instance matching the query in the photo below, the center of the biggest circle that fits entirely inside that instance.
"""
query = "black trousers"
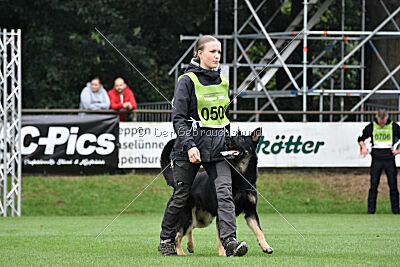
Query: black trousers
(389, 166)
(184, 173)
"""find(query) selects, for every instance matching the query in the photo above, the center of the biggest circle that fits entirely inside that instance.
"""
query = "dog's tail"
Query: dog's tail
(165, 160)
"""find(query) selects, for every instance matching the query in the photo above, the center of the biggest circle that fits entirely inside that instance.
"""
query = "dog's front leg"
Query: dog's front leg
(254, 224)
(178, 243)
(221, 249)
(190, 242)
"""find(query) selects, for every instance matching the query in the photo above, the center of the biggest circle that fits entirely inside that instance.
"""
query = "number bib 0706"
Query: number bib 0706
(212, 100)
(382, 136)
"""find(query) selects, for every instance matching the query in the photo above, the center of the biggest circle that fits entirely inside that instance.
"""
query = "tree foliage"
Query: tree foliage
(62, 50)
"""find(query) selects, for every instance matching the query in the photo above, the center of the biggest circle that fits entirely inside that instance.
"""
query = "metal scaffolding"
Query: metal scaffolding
(10, 126)
(283, 45)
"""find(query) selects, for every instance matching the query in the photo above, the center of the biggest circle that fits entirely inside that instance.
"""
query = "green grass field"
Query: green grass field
(295, 192)
(63, 215)
(330, 239)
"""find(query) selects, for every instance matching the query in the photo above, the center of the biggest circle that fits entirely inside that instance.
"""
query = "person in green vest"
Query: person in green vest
(200, 121)
(383, 133)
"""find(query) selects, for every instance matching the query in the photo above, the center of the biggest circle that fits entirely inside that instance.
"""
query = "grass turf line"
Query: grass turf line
(314, 192)
(331, 239)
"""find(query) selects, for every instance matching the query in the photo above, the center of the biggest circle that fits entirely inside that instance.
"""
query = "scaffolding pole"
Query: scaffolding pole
(251, 16)
(264, 31)
(235, 68)
(275, 66)
(331, 100)
(4, 169)
(362, 82)
(388, 13)
(259, 80)
(356, 48)
(265, 25)
(216, 18)
(299, 74)
(374, 90)
(305, 89)
(300, 27)
(323, 35)
(398, 29)
(315, 66)
(378, 55)
(341, 57)
(10, 127)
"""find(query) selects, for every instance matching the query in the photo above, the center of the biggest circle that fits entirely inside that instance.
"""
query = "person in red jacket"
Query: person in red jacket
(121, 97)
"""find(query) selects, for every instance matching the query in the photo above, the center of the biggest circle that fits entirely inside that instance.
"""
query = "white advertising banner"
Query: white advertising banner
(308, 144)
(141, 143)
(281, 144)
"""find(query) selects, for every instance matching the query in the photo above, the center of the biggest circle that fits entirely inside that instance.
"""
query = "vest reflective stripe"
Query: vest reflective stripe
(212, 100)
(382, 136)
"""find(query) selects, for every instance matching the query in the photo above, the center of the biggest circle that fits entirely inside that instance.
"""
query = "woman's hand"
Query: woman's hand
(194, 155)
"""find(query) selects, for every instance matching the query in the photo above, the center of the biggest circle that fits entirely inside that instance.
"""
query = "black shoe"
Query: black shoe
(236, 249)
(167, 247)
(396, 212)
(370, 212)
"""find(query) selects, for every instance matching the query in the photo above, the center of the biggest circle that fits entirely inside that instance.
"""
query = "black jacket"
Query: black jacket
(209, 141)
(380, 153)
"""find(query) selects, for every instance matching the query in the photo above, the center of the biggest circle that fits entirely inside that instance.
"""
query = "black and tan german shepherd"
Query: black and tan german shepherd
(201, 208)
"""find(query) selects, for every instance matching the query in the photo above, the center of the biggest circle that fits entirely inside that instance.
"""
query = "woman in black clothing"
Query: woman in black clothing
(200, 121)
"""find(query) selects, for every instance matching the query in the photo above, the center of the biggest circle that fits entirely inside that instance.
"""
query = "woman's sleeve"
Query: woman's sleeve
(180, 112)
(105, 104)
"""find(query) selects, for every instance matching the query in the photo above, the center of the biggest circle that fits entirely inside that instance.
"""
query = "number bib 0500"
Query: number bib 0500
(382, 136)
(212, 100)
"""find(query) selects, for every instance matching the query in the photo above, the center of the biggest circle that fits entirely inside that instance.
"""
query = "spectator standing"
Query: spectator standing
(94, 96)
(382, 132)
(121, 97)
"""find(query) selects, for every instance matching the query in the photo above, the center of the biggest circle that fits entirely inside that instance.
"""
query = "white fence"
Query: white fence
(281, 145)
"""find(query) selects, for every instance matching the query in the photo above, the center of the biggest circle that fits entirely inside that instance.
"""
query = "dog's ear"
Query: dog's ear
(256, 135)
(227, 132)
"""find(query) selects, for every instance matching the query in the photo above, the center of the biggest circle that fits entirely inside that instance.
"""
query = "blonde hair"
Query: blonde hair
(202, 42)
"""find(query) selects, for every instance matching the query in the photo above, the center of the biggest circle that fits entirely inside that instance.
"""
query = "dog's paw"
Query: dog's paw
(268, 250)
(180, 253)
